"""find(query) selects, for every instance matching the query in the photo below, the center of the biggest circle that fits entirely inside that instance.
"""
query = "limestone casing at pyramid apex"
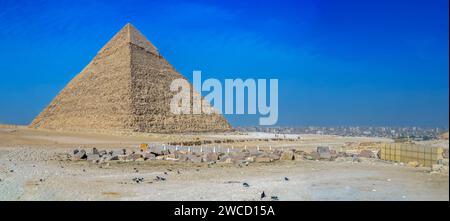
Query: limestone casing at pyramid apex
(129, 34)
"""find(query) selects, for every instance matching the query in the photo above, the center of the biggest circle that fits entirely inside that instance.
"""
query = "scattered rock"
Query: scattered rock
(288, 155)
(342, 154)
(334, 154)
(210, 157)
(140, 159)
(300, 155)
(263, 159)
(80, 155)
(228, 160)
(246, 185)
(104, 152)
(324, 152)
(165, 152)
(436, 167)
(182, 157)
(195, 159)
(366, 154)
(113, 158)
(134, 156)
(250, 159)
(286, 179)
(245, 151)
(445, 154)
(92, 157)
(94, 151)
(313, 156)
(179, 154)
(356, 159)
(170, 156)
(122, 157)
(413, 164)
(238, 156)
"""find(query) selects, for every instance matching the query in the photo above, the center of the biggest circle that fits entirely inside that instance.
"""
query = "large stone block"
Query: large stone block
(288, 155)
(324, 152)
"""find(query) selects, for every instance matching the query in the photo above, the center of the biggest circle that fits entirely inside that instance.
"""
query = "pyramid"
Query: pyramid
(126, 87)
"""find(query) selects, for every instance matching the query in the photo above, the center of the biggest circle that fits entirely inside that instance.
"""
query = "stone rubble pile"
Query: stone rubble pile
(226, 141)
(442, 165)
(243, 157)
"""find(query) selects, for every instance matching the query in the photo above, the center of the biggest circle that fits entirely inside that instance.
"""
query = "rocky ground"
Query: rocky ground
(42, 165)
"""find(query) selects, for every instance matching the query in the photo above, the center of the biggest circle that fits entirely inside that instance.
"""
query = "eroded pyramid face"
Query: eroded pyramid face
(126, 87)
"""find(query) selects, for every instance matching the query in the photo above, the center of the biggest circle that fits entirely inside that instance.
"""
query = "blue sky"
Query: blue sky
(377, 63)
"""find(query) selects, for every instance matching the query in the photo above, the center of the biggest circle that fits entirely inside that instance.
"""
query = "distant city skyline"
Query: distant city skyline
(339, 63)
(418, 133)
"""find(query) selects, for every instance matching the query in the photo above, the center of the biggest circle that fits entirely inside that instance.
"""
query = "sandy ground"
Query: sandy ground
(31, 169)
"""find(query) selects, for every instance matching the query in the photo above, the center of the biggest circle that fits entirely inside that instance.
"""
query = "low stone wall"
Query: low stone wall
(405, 153)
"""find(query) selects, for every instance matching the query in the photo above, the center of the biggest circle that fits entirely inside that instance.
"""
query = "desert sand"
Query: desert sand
(33, 167)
